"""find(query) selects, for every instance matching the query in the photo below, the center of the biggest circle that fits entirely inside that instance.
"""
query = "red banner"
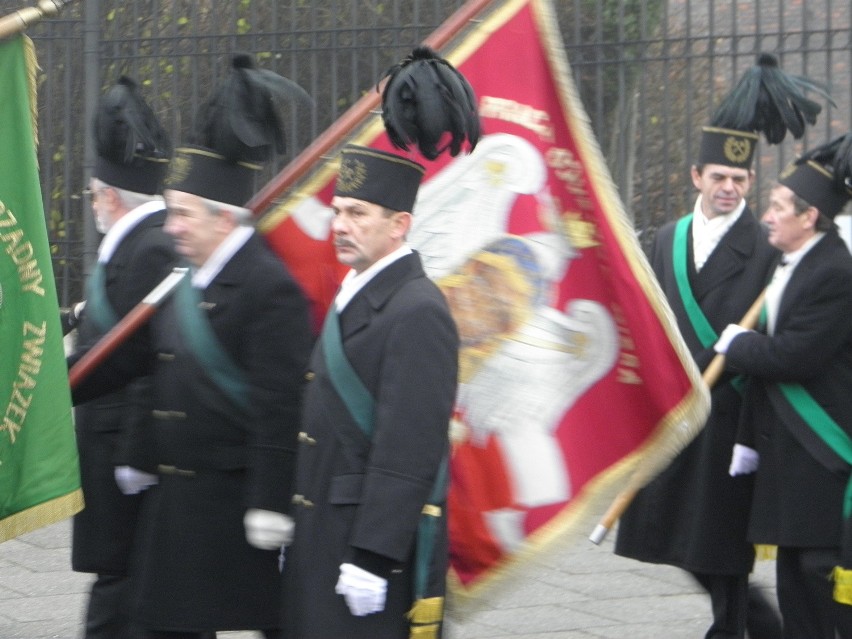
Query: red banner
(573, 375)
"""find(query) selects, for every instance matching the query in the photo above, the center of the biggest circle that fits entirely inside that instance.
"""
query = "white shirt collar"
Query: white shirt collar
(707, 233)
(720, 220)
(354, 282)
(221, 256)
(123, 226)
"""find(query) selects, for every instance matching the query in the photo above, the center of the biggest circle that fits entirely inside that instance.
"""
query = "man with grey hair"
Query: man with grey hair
(227, 355)
(134, 255)
(796, 422)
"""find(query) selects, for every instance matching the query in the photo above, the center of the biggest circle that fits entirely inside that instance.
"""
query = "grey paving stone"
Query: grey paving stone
(574, 591)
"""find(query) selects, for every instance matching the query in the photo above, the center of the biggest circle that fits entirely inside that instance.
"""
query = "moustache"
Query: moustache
(343, 244)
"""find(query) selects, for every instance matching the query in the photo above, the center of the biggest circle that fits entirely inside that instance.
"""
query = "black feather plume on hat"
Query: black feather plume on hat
(125, 126)
(241, 120)
(769, 101)
(425, 98)
(836, 156)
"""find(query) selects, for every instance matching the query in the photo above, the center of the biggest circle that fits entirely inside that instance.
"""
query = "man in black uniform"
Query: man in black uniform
(712, 265)
(227, 355)
(134, 255)
(370, 553)
(797, 411)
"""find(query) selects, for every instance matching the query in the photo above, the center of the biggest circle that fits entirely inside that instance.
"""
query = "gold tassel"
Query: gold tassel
(426, 616)
(424, 632)
(842, 585)
(765, 552)
(429, 610)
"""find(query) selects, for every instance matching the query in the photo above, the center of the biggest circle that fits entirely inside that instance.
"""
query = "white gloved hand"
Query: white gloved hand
(363, 591)
(267, 529)
(727, 336)
(744, 460)
(132, 481)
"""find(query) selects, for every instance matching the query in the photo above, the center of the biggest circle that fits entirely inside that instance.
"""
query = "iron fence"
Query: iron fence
(649, 73)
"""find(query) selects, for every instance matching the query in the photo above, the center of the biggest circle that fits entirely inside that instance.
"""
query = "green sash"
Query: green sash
(205, 346)
(825, 427)
(345, 380)
(700, 324)
(98, 309)
(360, 404)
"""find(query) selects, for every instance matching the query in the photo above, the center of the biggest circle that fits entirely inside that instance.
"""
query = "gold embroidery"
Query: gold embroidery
(737, 149)
(352, 175)
(179, 169)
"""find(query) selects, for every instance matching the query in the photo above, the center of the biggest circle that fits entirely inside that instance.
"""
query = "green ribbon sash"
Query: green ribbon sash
(823, 425)
(700, 324)
(205, 346)
(345, 380)
(360, 404)
(98, 309)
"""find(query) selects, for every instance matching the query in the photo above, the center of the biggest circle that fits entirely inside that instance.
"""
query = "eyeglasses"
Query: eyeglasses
(91, 193)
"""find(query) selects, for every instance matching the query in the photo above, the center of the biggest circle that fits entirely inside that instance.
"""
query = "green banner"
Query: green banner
(39, 471)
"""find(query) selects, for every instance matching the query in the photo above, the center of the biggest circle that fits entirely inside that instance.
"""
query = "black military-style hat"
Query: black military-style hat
(822, 177)
(765, 100)
(203, 172)
(237, 130)
(379, 177)
(132, 146)
(728, 147)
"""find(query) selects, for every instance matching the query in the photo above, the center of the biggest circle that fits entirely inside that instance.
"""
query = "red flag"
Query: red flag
(574, 379)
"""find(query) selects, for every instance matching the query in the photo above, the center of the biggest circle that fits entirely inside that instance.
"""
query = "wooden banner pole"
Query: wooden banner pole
(710, 376)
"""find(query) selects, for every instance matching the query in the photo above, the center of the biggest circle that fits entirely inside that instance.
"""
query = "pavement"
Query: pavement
(580, 591)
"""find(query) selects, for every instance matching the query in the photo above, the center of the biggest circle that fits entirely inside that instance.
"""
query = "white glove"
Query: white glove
(744, 460)
(132, 481)
(727, 336)
(363, 591)
(267, 529)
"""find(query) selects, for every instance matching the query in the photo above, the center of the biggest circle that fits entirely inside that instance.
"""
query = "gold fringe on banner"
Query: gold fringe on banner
(32, 72)
(41, 515)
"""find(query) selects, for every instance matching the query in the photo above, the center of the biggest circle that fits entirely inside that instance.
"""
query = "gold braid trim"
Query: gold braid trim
(842, 585)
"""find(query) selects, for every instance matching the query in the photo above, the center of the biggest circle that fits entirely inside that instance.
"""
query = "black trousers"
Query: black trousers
(737, 607)
(107, 613)
(806, 594)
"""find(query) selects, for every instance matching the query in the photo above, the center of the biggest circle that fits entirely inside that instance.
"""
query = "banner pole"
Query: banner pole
(302, 163)
(19, 20)
(710, 376)
(263, 198)
(128, 325)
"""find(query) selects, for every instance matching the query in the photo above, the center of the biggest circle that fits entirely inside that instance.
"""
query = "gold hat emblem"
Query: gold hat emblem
(179, 169)
(737, 150)
(352, 175)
